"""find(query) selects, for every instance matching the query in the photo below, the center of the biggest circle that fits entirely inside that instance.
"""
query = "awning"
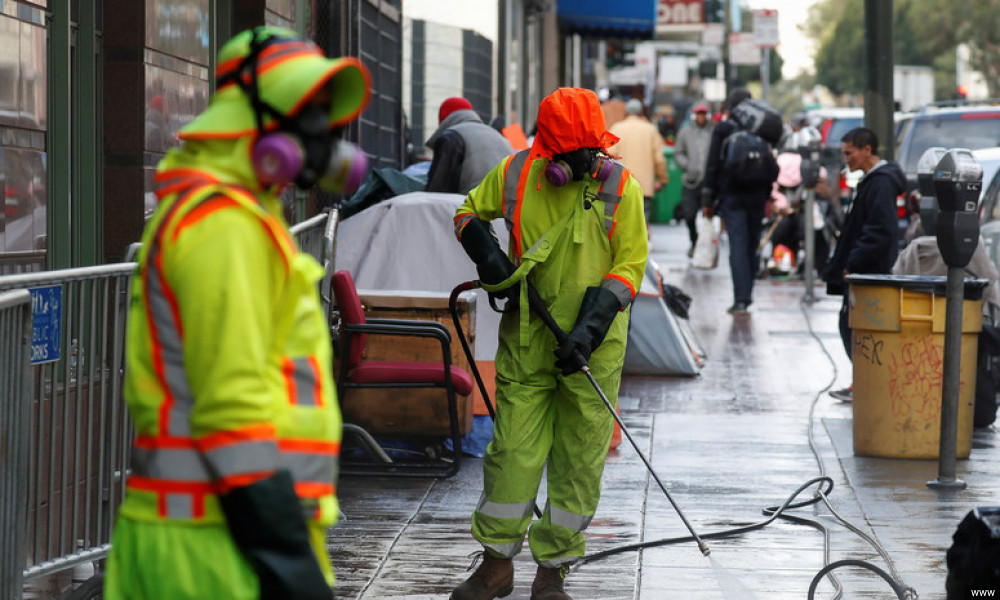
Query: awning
(609, 18)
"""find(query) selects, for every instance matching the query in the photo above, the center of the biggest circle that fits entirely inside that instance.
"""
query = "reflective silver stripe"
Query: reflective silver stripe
(243, 458)
(180, 506)
(506, 550)
(460, 223)
(504, 510)
(609, 217)
(304, 378)
(307, 467)
(564, 518)
(620, 290)
(559, 562)
(609, 190)
(172, 464)
(511, 179)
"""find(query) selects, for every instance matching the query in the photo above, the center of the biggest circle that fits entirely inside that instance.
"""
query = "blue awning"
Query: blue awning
(608, 18)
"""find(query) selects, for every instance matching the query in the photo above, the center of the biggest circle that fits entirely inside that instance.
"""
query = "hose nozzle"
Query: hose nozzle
(705, 550)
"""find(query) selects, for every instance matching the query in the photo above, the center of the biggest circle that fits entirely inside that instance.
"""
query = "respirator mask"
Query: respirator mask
(576, 164)
(302, 150)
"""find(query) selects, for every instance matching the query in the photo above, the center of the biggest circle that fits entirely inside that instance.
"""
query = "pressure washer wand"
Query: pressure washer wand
(538, 306)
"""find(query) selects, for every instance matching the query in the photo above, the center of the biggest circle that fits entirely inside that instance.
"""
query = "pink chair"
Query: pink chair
(358, 373)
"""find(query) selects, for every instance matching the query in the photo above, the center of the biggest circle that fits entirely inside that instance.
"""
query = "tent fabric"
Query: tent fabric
(663, 344)
(407, 243)
(601, 18)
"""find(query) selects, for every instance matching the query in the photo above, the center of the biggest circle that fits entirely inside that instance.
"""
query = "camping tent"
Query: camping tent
(664, 344)
(408, 243)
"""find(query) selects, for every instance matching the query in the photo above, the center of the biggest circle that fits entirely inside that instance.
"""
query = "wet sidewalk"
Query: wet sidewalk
(755, 426)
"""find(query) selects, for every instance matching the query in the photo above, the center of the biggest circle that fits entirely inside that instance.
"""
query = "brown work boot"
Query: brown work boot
(493, 579)
(548, 584)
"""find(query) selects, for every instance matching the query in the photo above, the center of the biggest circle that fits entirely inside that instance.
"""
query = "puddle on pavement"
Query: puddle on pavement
(731, 587)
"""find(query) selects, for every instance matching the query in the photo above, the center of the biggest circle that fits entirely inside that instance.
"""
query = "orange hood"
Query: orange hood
(570, 118)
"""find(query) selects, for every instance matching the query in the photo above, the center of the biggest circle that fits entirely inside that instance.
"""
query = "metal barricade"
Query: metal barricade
(75, 438)
(79, 432)
(15, 394)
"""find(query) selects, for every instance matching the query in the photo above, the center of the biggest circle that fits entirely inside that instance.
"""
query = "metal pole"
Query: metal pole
(765, 74)
(878, 75)
(950, 382)
(810, 235)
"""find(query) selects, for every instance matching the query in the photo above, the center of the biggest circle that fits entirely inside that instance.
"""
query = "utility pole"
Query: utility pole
(879, 102)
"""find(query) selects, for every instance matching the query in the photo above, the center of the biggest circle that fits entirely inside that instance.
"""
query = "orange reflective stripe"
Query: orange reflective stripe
(150, 442)
(522, 182)
(149, 484)
(623, 181)
(314, 490)
(329, 448)
(204, 209)
(228, 484)
(256, 432)
(622, 280)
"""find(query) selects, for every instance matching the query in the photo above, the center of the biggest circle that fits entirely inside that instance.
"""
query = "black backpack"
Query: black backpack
(747, 161)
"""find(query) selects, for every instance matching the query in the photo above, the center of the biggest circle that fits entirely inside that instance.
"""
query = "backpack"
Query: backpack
(758, 117)
(747, 161)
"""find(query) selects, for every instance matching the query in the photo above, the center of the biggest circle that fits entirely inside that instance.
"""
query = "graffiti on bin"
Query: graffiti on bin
(869, 347)
(872, 312)
(915, 374)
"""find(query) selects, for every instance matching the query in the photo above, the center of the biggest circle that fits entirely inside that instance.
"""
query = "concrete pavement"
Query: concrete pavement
(756, 425)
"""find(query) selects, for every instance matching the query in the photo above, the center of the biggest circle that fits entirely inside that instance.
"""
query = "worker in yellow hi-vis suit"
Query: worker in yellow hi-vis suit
(232, 482)
(578, 235)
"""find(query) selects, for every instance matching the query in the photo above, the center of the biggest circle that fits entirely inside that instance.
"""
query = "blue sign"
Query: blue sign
(46, 317)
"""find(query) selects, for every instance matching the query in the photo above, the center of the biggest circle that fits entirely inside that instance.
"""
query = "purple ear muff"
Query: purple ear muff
(278, 158)
(346, 170)
(558, 173)
(604, 167)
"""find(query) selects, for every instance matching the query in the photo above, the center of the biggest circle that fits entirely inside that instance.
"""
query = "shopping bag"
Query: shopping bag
(706, 249)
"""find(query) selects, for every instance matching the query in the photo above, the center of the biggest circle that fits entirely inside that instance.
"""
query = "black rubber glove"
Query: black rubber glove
(492, 263)
(597, 312)
(267, 524)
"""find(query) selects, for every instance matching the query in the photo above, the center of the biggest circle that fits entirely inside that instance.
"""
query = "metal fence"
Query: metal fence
(78, 434)
(15, 391)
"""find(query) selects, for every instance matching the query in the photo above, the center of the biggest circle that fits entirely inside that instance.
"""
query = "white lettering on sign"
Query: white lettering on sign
(679, 12)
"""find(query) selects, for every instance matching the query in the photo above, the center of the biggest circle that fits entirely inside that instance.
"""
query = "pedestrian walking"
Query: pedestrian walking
(228, 378)
(641, 150)
(869, 240)
(465, 148)
(739, 193)
(691, 154)
(576, 224)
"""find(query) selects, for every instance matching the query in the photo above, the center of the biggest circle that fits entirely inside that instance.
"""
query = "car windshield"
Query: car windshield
(950, 133)
(841, 126)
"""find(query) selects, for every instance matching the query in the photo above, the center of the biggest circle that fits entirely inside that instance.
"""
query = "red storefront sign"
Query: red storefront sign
(680, 12)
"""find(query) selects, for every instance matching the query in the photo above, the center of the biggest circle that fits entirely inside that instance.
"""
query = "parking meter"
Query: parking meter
(958, 179)
(925, 185)
(806, 141)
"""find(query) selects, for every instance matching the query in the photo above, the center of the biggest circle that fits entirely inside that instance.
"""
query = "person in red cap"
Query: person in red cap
(465, 148)
(576, 224)
(691, 153)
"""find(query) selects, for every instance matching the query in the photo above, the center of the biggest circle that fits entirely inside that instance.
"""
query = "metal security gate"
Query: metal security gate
(371, 30)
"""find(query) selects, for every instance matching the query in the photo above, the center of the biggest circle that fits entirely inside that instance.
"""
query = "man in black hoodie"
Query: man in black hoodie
(869, 239)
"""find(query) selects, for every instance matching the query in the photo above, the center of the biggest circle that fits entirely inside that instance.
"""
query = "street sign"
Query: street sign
(713, 34)
(46, 317)
(743, 49)
(765, 28)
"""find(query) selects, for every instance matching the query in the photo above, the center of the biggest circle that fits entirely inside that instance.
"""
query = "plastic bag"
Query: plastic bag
(706, 249)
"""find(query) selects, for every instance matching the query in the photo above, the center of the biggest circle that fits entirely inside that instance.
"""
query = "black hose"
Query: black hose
(901, 592)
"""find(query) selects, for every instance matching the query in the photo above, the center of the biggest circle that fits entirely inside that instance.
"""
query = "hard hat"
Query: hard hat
(286, 71)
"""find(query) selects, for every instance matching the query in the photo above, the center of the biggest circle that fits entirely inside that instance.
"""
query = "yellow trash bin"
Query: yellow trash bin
(897, 349)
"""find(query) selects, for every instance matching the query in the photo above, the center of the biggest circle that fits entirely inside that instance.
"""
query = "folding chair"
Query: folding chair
(355, 372)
